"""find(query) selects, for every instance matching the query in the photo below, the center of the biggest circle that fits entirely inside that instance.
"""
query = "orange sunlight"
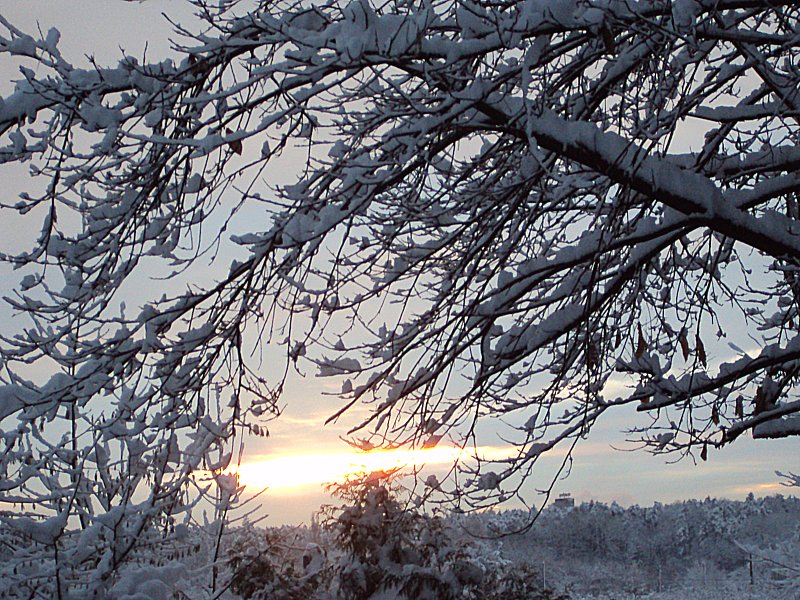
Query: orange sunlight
(771, 487)
(316, 469)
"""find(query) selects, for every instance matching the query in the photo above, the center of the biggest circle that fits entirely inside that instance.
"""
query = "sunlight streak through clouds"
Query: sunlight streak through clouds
(317, 469)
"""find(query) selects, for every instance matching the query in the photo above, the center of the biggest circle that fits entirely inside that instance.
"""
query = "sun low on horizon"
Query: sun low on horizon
(287, 472)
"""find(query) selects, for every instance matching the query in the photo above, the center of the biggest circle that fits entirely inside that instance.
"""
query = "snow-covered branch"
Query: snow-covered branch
(506, 210)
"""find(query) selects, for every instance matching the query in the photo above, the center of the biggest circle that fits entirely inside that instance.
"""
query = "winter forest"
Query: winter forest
(480, 224)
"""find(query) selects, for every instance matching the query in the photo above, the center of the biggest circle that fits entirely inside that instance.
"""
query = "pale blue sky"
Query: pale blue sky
(100, 27)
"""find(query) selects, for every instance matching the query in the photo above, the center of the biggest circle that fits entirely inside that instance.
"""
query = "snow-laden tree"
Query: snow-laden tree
(502, 209)
(388, 549)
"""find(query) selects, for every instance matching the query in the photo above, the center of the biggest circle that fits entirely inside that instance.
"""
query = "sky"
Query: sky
(604, 469)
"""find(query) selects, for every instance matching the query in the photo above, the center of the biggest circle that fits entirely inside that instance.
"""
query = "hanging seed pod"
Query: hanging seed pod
(641, 345)
(684, 345)
(701, 350)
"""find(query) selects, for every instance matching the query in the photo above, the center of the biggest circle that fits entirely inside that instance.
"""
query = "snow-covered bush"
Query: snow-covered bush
(392, 548)
(270, 564)
(516, 581)
(150, 583)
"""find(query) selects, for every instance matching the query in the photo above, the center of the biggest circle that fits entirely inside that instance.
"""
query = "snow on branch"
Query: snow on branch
(523, 213)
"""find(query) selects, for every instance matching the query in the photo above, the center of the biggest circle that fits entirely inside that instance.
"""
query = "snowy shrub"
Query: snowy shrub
(391, 548)
(263, 564)
(150, 583)
(516, 581)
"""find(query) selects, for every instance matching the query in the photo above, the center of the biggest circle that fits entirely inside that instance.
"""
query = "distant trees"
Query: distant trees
(504, 209)
(686, 549)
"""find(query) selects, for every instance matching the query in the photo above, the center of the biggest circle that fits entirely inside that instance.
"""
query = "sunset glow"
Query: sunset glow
(316, 469)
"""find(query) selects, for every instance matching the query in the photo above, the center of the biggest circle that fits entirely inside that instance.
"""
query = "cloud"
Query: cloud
(758, 489)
